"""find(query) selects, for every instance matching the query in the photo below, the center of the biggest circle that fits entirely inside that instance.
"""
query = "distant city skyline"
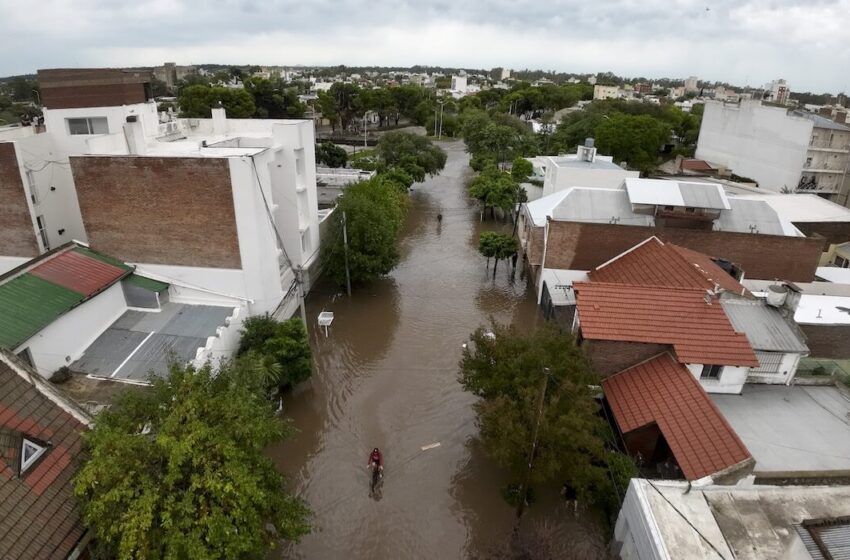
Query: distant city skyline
(740, 42)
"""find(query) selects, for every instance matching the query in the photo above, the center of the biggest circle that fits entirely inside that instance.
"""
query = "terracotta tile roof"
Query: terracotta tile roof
(654, 263)
(696, 165)
(700, 333)
(39, 517)
(663, 392)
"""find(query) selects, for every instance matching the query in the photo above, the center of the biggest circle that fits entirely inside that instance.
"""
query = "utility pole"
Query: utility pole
(441, 121)
(345, 242)
(523, 489)
(365, 131)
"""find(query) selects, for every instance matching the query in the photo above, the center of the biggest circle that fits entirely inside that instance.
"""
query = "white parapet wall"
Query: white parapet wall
(224, 344)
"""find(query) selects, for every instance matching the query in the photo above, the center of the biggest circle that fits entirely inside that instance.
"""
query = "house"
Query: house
(669, 520)
(783, 150)
(585, 168)
(619, 325)
(819, 309)
(40, 442)
(605, 92)
(666, 420)
(80, 309)
(581, 228)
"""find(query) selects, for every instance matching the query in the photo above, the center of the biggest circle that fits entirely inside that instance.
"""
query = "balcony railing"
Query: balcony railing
(835, 146)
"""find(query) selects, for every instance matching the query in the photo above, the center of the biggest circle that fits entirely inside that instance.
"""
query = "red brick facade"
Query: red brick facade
(159, 210)
(584, 246)
(92, 87)
(609, 357)
(17, 233)
(828, 341)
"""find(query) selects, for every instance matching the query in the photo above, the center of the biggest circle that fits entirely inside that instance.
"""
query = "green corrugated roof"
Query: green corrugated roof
(146, 283)
(28, 304)
(101, 257)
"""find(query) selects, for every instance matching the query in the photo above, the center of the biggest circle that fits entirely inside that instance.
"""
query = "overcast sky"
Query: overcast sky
(746, 42)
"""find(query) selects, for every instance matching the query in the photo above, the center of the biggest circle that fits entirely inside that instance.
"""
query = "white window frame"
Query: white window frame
(90, 125)
(710, 368)
(31, 186)
(42, 231)
(39, 450)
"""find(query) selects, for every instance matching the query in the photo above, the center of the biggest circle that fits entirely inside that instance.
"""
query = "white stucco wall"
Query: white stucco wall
(787, 371)
(65, 339)
(732, 379)
(55, 121)
(636, 530)
(225, 342)
(760, 142)
(8, 263)
(45, 170)
(215, 286)
(561, 178)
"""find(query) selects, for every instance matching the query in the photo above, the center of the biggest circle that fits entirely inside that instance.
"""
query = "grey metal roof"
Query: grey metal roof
(745, 213)
(141, 343)
(822, 122)
(765, 327)
(835, 538)
(599, 206)
(702, 196)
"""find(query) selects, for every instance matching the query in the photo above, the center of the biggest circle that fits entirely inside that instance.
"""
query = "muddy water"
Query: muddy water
(387, 377)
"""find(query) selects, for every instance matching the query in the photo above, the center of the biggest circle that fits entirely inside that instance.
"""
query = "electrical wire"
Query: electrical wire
(688, 521)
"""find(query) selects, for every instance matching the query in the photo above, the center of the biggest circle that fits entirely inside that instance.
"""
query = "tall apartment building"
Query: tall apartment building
(225, 205)
(782, 150)
(692, 84)
(777, 92)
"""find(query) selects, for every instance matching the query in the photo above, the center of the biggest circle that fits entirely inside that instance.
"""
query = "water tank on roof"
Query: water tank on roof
(588, 142)
(776, 295)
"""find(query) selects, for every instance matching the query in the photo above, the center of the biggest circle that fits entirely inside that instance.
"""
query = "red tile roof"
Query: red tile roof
(39, 517)
(700, 333)
(696, 165)
(663, 392)
(653, 263)
(78, 272)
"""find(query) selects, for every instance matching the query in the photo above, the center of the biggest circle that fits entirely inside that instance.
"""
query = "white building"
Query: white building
(459, 84)
(777, 91)
(669, 520)
(585, 168)
(592, 80)
(606, 92)
(505, 74)
(781, 150)
(691, 84)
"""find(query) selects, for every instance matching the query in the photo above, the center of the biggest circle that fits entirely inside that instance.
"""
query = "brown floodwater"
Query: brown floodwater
(386, 376)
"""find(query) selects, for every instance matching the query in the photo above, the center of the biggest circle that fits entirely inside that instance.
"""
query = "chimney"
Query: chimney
(135, 136)
(219, 119)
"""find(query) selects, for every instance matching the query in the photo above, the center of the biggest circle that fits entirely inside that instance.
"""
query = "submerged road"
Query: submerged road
(387, 377)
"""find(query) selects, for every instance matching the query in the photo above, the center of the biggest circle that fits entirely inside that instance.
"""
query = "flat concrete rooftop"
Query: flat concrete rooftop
(792, 431)
(143, 343)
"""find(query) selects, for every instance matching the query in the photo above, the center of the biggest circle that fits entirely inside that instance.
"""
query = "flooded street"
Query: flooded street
(387, 377)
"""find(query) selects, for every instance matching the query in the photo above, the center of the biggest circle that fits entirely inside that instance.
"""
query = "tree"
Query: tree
(281, 346)
(633, 139)
(496, 189)
(374, 212)
(178, 470)
(498, 246)
(348, 102)
(328, 153)
(506, 370)
(521, 169)
(273, 101)
(411, 152)
(198, 101)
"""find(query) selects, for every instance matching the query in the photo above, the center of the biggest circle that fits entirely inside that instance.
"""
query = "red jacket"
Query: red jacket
(376, 457)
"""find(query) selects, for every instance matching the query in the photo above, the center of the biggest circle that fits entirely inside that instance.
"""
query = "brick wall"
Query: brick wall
(832, 232)
(610, 356)
(170, 210)
(583, 246)
(17, 233)
(828, 341)
(65, 88)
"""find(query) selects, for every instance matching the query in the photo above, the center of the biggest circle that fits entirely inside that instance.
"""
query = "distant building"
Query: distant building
(691, 84)
(505, 74)
(171, 73)
(586, 168)
(459, 83)
(782, 150)
(777, 92)
(606, 92)
(592, 80)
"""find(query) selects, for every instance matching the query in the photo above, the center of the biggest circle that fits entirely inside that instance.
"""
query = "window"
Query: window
(808, 162)
(841, 262)
(711, 372)
(31, 186)
(42, 231)
(88, 125)
(30, 452)
(690, 209)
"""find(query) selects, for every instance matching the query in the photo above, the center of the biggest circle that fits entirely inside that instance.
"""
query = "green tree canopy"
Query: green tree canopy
(273, 100)
(411, 152)
(374, 211)
(281, 346)
(497, 246)
(328, 153)
(521, 169)
(178, 470)
(506, 370)
(635, 139)
(496, 189)
(198, 101)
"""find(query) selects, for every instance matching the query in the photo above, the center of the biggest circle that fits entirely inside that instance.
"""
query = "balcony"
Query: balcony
(835, 147)
(812, 186)
(815, 167)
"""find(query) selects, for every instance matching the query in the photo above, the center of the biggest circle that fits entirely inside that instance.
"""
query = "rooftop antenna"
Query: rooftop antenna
(754, 228)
